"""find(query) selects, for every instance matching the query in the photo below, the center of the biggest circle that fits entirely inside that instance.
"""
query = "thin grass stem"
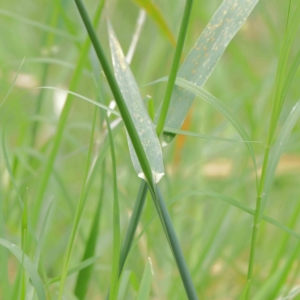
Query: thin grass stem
(116, 92)
(160, 206)
(77, 218)
(175, 65)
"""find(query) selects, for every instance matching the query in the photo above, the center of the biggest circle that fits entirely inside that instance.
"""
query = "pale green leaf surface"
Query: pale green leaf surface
(138, 112)
(205, 55)
(28, 266)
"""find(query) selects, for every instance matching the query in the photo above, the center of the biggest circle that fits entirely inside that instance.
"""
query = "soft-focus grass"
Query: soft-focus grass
(210, 191)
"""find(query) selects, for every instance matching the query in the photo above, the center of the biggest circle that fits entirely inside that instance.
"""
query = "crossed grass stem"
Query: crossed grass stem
(155, 193)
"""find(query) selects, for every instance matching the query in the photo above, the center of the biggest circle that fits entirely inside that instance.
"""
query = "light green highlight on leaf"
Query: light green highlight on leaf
(205, 55)
(138, 112)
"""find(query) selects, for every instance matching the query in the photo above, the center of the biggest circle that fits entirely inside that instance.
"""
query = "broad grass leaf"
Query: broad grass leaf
(155, 14)
(221, 107)
(28, 266)
(138, 112)
(205, 55)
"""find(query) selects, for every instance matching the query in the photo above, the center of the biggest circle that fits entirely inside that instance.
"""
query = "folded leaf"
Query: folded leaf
(138, 112)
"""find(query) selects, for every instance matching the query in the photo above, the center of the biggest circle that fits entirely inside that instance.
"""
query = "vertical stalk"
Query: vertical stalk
(279, 95)
(174, 68)
(159, 203)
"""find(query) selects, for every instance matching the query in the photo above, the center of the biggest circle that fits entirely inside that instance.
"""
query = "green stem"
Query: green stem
(116, 221)
(116, 92)
(159, 203)
(134, 220)
(174, 244)
(174, 68)
(279, 96)
(139, 204)
(78, 214)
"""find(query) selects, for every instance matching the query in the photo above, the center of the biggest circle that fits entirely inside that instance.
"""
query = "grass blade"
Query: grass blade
(217, 104)
(78, 214)
(116, 223)
(205, 55)
(132, 131)
(277, 104)
(138, 112)
(84, 275)
(175, 64)
(144, 290)
(138, 147)
(28, 266)
(134, 219)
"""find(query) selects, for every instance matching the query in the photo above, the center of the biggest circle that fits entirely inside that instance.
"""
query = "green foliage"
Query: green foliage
(76, 128)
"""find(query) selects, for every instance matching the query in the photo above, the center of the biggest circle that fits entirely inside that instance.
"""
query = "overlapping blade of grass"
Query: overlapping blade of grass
(114, 281)
(205, 55)
(137, 144)
(221, 107)
(40, 241)
(135, 217)
(28, 266)
(174, 69)
(64, 115)
(156, 15)
(78, 214)
(84, 275)
(282, 77)
(144, 290)
(277, 104)
(139, 204)
(138, 112)
(140, 152)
